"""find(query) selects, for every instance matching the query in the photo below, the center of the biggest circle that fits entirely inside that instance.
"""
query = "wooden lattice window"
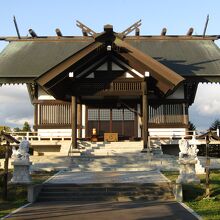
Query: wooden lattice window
(93, 114)
(117, 114)
(128, 115)
(104, 114)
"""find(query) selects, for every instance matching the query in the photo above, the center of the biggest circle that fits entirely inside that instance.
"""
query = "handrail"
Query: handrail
(174, 134)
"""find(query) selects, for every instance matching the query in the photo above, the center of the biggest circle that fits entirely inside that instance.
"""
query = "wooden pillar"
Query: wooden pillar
(5, 175)
(74, 121)
(185, 114)
(79, 114)
(35, 117)
(145, 115)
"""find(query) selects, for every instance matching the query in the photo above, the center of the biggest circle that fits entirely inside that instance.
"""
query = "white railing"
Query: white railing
(191, 136)
(34, 136)
(161, 134)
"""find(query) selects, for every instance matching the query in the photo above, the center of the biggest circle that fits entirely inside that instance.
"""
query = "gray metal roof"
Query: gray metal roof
(185, 57)
(33, 58)
(30, 59)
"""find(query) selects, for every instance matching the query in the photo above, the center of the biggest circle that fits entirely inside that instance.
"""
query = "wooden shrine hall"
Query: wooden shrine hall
(112, 82)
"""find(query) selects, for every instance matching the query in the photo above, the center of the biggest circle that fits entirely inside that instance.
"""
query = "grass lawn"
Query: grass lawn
(194, 195)
(17, 195)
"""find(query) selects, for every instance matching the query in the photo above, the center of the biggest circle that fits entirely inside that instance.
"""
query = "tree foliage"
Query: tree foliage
(215, 124)
(17, 129)
(192, 127)
(26, 127)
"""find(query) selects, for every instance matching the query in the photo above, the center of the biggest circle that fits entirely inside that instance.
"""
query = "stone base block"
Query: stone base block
(187, 171)
(21, 174)
(178, 192)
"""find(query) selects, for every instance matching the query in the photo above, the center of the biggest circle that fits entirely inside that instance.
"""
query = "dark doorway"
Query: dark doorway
(118, 120)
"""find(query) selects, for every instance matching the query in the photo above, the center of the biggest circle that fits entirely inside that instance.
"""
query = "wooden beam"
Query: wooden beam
(82, 39)
(163, 32)
(190, 32)
(125, 67)
(49, 75)
(32, 33)
(91, 64)
(145, 115)
(58, 32)
(167, 78)
(137, 32)
(35, 115)
(85, 29)
(5, 174)
(131, 28)
(50, 102)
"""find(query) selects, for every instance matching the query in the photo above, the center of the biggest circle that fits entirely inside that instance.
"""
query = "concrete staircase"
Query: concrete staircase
(126, 162)
(115, 148)
(116, 171)
(106, 192)
(119, 156)
(109, 149)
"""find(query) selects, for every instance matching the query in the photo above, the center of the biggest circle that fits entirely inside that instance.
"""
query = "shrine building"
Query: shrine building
(131, 85)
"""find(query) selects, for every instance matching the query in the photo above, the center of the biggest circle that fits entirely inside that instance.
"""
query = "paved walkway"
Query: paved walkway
(104, 211)
(108, 177)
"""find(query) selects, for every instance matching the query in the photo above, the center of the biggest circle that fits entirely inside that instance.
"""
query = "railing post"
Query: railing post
(5, 177)
(27, 136)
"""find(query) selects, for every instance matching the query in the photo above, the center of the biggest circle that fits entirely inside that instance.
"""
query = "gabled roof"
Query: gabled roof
(26, 59)
(166, 78)
(187, 57)
(30, 59)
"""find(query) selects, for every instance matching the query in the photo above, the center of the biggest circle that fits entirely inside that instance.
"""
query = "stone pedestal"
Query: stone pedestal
(21, 172)
(187, 171)
(178, 192)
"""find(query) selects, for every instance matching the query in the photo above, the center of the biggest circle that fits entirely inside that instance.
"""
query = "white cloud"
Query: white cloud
(15, 106)
(207, 100)
(206, 107)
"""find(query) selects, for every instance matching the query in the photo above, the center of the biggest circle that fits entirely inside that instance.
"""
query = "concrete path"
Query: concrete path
(123, 210)
(104, 211)
(70, 177)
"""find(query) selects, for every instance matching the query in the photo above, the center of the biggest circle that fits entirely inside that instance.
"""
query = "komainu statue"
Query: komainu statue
(22, 152)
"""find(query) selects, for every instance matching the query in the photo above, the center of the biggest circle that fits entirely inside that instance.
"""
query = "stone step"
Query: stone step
(130, 148)
(105, 192)
(110, 149)
(122, 169)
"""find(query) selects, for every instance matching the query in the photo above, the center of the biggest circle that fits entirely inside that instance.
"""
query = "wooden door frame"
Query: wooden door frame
(135, 131)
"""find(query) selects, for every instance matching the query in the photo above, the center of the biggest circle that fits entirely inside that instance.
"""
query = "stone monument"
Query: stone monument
(21, 163)
(198, 167)
(187, 161)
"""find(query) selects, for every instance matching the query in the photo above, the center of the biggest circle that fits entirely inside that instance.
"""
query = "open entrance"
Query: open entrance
(117, 120)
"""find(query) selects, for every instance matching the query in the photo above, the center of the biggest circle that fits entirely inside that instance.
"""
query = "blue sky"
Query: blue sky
(45, 15)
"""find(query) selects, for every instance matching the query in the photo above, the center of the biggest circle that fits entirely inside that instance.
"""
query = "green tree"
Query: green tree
(215, 124)
(192, 127)
(17, 129)
(26, 127)
(5, 128)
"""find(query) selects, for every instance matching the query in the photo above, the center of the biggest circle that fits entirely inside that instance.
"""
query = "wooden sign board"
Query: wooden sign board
(111, 137)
